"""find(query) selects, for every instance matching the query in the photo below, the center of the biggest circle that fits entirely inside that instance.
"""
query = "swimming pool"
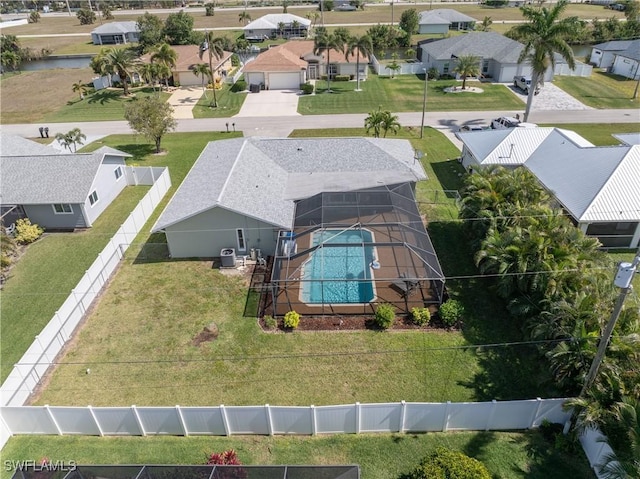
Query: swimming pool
(345, 269)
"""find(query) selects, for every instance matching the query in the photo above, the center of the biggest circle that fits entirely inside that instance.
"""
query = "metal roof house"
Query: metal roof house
(597, 186)
(442, 20)
(333, 214)
(273, 25)
(58, 191)
(497, 54)
(115, 33)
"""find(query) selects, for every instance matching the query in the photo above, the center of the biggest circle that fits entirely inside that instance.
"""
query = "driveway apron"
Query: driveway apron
(270, 103)
(183, 99)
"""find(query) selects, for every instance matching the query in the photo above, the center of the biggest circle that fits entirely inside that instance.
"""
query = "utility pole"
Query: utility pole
(623, 280)
(424, 102)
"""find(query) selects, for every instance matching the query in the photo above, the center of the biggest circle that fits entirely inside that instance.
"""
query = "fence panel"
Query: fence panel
(336, 419)
(291, 420)
(552, 410)
(204, 421)
(596, 449)
(247, 420)
(160, 421)
(468, 415)
(117, 421)
(75, 420)
(28, 420)
(380, 417)
(425, 417)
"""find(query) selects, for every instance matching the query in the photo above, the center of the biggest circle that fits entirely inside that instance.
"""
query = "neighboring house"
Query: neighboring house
(597, 186)
(443, 20)
(627, 63)
(59, 191)
(187, 57)
(497, 55)
(115, 33)
(301, 201)
(288, 65)
(603, 54)
(276, 25)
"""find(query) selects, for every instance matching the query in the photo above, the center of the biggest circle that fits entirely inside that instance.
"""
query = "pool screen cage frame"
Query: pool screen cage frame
(399, 261)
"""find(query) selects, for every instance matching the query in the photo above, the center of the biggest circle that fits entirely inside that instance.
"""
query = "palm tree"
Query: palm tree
(244, 17)
(625, 465)
(281, 27)
(71, 138)
(149, 73)
(313, 16)
(119, 61)
(467, 66)
(79, 88)
(202, 70)
(389, 122)
(485, 26)
(360, 46)
(325, 42)
(543, 36)
(214, 47)
(374, 122)
(167, 56)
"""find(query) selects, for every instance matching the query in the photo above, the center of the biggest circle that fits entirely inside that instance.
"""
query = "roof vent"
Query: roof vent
(299, 148)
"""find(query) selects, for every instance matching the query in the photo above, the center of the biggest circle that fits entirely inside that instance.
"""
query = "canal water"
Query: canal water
(58, 61)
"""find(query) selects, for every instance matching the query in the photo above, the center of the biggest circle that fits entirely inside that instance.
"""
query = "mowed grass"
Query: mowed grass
(229, 103)
(45, 275)
(507, 455)
(600, 90)
(600, 134)
(403, 93)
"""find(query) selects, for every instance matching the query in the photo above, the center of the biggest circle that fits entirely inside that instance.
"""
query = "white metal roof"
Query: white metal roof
(272, 20)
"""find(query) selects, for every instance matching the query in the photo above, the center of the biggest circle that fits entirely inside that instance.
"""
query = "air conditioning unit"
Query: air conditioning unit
(228, 258)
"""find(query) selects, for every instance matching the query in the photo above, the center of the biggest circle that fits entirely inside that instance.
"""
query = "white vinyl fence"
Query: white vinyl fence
(28, 372)
(271, 420)
(596, 448)
(416, 68)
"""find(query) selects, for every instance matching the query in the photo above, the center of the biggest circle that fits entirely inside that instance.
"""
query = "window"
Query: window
(241, 243)
(118, 172)
(93, 198)
(485, 67)
(445, 68)
(62, 209)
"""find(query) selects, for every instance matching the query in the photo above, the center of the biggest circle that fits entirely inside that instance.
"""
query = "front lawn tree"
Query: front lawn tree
(119, 61)
(150, 31)
(467, 66)
(360, 46)
(178, 28)
(86, 16)
(72, 138)
(214, 48)
(409, 22)
(150, 117)
(166, 58)
(202, 70)
(79, 88)
(323, 44)
(543, 35)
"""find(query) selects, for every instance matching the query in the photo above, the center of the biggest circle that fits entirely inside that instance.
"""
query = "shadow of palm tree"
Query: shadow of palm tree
(104, 96)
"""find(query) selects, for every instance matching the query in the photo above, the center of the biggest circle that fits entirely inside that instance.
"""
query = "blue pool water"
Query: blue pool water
(345, 269)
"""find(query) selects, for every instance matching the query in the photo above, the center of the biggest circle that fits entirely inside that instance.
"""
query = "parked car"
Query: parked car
(345, 8)
(472, 128)
(509, 122)
(524, 84)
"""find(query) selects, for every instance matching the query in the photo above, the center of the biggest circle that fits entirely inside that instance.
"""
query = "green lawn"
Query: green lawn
(403, 93)
(102, 105)
(43, 278)
(229, 103)
(600, 90)
(510, 455)
(600, 134)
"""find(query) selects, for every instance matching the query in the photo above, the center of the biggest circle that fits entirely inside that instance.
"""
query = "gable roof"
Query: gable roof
(632, 51)
(262, 177)
(293, 56)
(618, 45)
(514, 146)
(271, 21)
(443, 16)
(116, 27)
(480, 44)
(14, 145)
(48, 179)
(598, 184)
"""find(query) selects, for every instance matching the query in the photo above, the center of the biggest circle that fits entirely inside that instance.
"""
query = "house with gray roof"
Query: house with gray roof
(274, 25)
(597, 186)
(497, 55)
(58, 191)
(604, 54)
(627, 63)
(241, 192)
(115, 33)
(443, 20)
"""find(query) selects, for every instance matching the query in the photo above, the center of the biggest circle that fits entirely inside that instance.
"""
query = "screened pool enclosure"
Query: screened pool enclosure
(348, 251)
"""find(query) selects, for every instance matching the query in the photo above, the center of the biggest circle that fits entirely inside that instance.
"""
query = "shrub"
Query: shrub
(307, 88)
(26, 232)
(240, 85)
(5, 260)
(291, 320)
(227, 458)
(420, 316)
(433, 73)
(446, 464)
(210, 9)
(451, 312)
(385, 316)
(235, 60)
(342, 78)
(270, 322)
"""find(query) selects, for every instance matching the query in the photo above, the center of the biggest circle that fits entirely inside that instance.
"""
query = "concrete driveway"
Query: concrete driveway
(270, 103)
(551, 98)
(183, 99)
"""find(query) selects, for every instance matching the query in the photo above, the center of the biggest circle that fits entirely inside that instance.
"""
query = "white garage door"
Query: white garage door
(284, 81)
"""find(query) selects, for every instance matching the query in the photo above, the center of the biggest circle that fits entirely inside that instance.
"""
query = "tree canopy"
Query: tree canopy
(151, 31)
(178, 28)
(150, 117)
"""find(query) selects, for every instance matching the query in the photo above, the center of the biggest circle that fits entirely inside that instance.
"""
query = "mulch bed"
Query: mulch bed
(350, 323)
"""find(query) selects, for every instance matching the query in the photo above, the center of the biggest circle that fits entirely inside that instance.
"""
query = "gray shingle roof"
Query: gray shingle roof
(480, 44)
(260, 177)
(47, 179)
(442, 16)
(618, 45)
(14, 145)
(116, 27)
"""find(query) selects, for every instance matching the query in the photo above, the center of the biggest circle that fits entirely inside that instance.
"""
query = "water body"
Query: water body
(58, 61)
(580, 52)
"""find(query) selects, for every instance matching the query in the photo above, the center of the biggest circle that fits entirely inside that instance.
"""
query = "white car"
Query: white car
(524, 84)
(509, 122)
